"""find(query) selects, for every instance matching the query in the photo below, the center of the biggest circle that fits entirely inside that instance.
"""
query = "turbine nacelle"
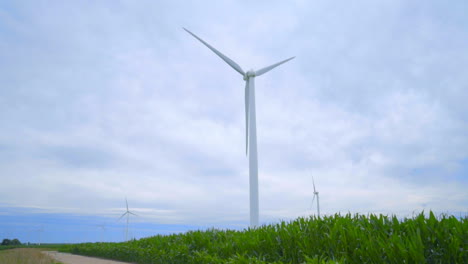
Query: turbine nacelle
(249, 74)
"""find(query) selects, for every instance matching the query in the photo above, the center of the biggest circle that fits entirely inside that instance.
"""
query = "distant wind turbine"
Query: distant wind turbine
(39, 231)
(250, 124)
(316, 194)
(127, 213)
(103, 230)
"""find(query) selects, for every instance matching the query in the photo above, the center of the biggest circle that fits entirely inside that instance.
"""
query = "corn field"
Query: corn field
(330, 239)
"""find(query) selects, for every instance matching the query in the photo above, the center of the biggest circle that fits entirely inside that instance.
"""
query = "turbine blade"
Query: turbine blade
(313, 183)
(313, 199)
(126, 202)
(133, 213)
(269, 68)
(246, 116)
(122, 216)
(231, 63)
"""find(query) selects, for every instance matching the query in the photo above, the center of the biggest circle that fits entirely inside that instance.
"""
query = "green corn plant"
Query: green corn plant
(325, 240)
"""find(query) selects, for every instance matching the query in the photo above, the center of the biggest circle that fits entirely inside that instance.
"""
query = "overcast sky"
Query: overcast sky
(102, 100)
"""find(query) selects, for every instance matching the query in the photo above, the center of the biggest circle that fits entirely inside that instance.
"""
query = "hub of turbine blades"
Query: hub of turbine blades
(249, 74)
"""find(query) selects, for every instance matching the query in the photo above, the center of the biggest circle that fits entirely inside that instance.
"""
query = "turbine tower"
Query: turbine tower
(127, 213)
(103, 230)
(250, 124)
(316, 194)
(39, 231)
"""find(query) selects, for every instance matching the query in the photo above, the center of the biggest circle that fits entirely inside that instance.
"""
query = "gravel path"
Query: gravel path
(67, 258)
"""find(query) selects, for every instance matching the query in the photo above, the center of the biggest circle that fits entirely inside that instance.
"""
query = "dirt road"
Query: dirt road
(76, 259)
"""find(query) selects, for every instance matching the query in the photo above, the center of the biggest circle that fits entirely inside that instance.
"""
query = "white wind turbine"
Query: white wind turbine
(103, 230)
(250, 124)
(316, 194)
(127, 213)
(39, 231)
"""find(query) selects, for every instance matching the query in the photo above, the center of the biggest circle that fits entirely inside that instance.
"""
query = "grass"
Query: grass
(25, 256)
(331, 239)
(42, 246)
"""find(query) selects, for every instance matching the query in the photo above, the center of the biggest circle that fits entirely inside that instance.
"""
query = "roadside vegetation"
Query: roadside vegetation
(331, 239)
(37, 246)
(25, 256)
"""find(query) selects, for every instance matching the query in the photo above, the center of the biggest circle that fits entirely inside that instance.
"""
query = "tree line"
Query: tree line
(11, 242)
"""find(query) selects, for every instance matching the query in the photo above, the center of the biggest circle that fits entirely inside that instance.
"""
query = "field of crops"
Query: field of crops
(331, 239)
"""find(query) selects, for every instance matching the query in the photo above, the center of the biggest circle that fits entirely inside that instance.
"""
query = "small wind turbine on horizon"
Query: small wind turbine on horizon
(103, 230)
(127, 213)
(39, 231)
(250, 124)
(316, 194)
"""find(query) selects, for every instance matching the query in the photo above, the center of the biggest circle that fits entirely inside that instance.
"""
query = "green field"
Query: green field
(36, 246)
(331, 239)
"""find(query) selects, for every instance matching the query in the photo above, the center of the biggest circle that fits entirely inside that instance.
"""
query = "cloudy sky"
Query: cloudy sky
(102, 100)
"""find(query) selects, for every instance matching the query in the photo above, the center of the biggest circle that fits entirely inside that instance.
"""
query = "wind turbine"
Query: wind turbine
(39, 231)
(250, 124)
(316, 194)
(127, 213)
(103, 230)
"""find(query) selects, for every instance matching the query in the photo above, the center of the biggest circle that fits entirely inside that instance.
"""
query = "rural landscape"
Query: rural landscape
(304, 132)
(331, 239)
